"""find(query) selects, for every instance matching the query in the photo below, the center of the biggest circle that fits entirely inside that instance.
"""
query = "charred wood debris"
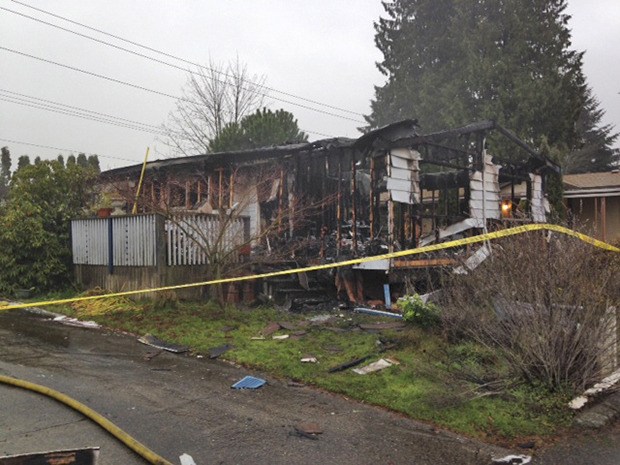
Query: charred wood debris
(335, 199)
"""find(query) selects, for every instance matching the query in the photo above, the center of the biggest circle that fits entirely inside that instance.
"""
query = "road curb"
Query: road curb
(601, 414)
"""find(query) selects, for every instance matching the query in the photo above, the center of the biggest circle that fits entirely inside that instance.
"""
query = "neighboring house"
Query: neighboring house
(390, 189)
(593, 202)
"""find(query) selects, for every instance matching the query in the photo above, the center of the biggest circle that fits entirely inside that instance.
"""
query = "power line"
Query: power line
(145, 47)
(136, 86)
(90, 73)
(39, 106)
(118, 81)
(264, 94)
(12, 141)
(85, 111)
(42, 106)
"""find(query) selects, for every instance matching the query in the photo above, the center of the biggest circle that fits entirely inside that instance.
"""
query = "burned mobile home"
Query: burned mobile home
(391, 189)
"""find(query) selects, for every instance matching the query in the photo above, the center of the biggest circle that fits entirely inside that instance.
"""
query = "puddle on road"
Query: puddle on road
(29, 325)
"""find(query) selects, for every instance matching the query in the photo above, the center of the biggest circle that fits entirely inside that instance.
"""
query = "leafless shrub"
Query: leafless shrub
(546, 304)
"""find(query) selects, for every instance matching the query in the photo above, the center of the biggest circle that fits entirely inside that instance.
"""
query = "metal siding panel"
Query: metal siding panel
(131, 245)
(138, 238)
(148, 249)
(118, 242)
(76, 245)
(399, 173)
(400, 163)
(398, 184)
(127, 240)
(102, 244)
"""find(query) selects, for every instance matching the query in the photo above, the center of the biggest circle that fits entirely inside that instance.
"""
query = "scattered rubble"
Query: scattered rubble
(296, 336)
(323, 318)
(513, 460)
(153, 341)
(372, 311)
(86, 456)
(289, 326)
(186, 459)
(65, 320)
(249, 382)
(215, 352)
(381, 325)
(270, 329)
(308, 430)
(350, 364)
(295, 384)
(376, 366)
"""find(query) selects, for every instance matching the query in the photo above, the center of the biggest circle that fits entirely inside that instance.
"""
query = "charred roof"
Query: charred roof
(400, 134)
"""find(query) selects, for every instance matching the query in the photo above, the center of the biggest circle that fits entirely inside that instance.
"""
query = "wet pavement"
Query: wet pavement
(179, 404)
(584, 447)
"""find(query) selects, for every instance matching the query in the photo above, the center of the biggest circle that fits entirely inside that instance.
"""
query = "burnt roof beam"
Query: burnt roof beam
(479, 127)
(545, 160)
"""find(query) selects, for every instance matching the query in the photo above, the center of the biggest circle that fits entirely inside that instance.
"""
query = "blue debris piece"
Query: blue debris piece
(249, 382)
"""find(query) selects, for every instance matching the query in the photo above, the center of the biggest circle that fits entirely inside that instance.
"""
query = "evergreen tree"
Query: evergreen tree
(260, 129)
(5, 164)
(23, 161)
(593, 152)
(60, 159)
(82, 160)
(71, 160)
(449, 63)
(93, 162)
(5, 172)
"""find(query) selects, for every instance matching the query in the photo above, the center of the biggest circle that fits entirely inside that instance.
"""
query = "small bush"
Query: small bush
(416, 311)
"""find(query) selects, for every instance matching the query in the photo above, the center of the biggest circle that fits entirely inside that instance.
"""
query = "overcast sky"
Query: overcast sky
(321, 50)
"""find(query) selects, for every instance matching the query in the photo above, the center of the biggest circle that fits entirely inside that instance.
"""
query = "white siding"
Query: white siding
(538, 199)
(403, 181)
(485, 198)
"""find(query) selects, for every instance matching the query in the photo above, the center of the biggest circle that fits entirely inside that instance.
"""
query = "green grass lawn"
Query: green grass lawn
(434, 381)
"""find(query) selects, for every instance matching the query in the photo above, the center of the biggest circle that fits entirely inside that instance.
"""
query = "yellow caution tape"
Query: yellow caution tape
(129, 441)
(356, 261)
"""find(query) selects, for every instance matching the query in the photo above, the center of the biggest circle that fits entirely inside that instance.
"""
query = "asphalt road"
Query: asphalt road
(179, 404)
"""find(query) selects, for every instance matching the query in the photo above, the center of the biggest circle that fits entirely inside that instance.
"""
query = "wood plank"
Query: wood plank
(425, 263)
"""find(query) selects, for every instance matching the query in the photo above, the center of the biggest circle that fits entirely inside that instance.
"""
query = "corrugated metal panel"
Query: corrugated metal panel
(89, 241)
(484, 197)
(403, 181)
(133, 241)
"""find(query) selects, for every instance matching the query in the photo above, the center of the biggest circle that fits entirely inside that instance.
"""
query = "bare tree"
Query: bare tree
(213, 97)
